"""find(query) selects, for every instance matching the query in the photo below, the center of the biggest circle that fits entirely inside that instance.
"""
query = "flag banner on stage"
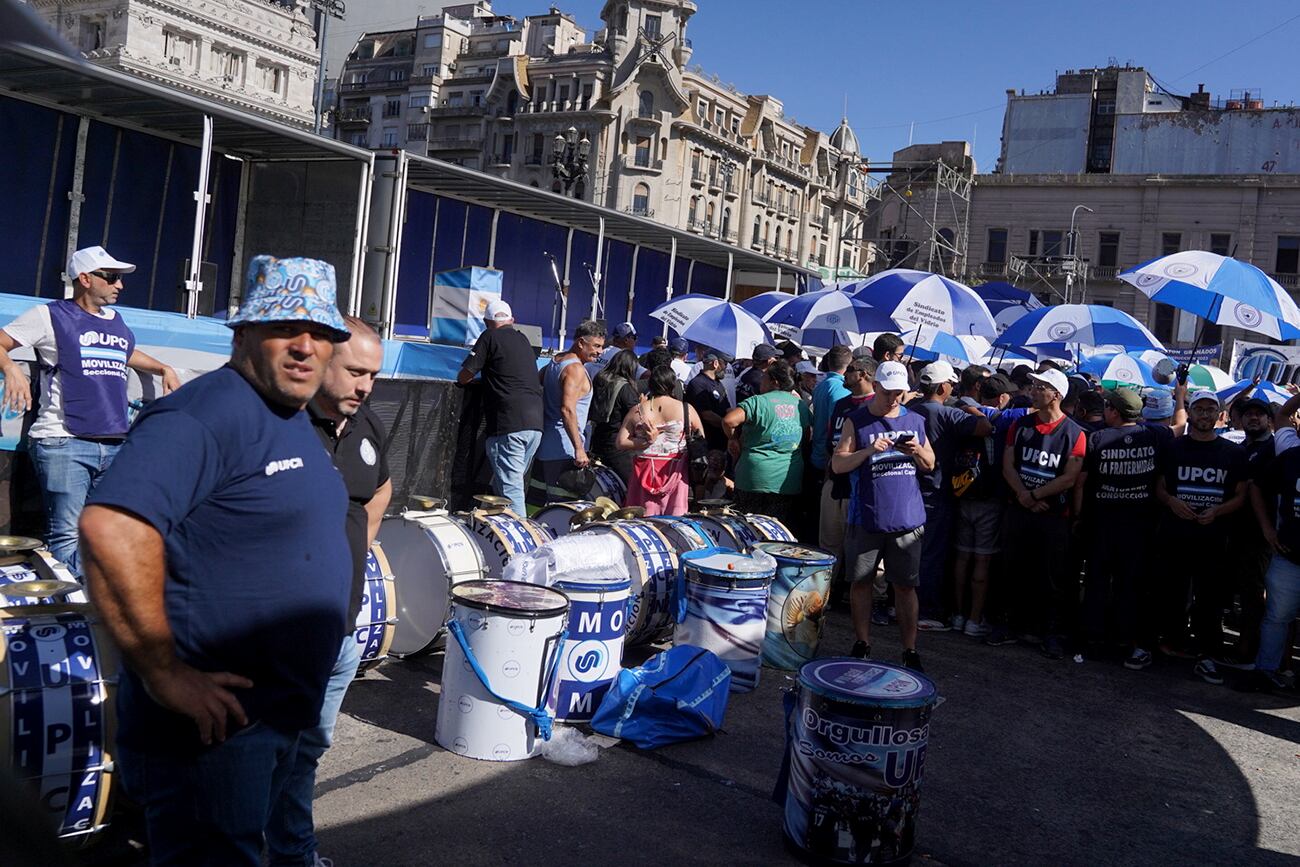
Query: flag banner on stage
(1199, 355)
(1280, 364)
(460, 300)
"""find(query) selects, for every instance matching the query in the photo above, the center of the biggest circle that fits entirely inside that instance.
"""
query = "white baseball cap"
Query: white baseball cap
(937, 373)
(892, 376)
(89, 259)
(1205, 394)
(1055, 379)
(499, 311)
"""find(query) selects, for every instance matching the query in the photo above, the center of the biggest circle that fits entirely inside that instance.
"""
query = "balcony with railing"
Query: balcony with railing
(417, 132)
(640, 211)
(359, 115)
(454, 144)
(1287, 281)
(1104, 272)
(641, 163)
(993, 269)
(695, 224)
(457, 110)
(697, 176)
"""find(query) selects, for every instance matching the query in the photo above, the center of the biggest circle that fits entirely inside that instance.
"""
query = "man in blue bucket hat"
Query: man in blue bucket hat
(216, 555)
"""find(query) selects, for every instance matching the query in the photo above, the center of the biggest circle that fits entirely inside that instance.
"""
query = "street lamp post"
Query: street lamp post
(326, 9)
(1072, 258)
(569, 163)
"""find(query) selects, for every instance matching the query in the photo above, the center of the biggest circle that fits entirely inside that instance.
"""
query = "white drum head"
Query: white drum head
(427, 555)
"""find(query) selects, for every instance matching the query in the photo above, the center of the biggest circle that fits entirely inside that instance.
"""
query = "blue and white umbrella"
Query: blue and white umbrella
(1007, 303)
(1270, 391)
(931, 344)
(1122, 368)
(922, 298)
(767, 302)
(1082, 324)
(830, 309)
(712, 322)
(1219, 289)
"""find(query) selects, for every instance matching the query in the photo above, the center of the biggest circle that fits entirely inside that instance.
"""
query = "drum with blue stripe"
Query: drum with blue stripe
(726, 609)
(58, 676)
(798, 603)
(856, 746)
(558, 517)
(727, 530)
(769, 529)
(377, 619)
(685, 533)
(38, 579)
(593, 652)
(652, 563)
(503, 536)
(609, 484)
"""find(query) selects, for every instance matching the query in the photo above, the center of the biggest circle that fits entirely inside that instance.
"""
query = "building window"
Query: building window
(178, 48)
(694, 215)
(562, 96)
(392, 107)
(1045, 242)
(1164, 325)
(1108, 249)
(402, 48)
(1221, 243)
(227, 65)
(726, 221)
(1170, 243)
(646, 104)
(430, 70)
(539, 147)
(92, 33)
(507, 149)
(420, 99)
(455, 100)
(643, 152)
(641, 201)
(390, 137)
(433, 40)
(758, 232)
(653, 26)
(719, 118)
(997, 247)
(1288, 255)
(588, 90)
(365, 50)
(273, 78)
(397, 73)
(476, 97)
(708, 215)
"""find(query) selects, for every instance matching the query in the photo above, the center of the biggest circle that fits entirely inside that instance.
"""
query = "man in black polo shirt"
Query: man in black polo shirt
(512, 400)
(1115, 501)
(706, 393)
(1250, 550)
(354, 436)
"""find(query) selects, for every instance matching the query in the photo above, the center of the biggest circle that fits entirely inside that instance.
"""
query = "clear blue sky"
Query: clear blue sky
(946, 64)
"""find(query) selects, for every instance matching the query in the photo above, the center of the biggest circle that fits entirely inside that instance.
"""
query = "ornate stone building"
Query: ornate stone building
(258, 55)
(663, 139)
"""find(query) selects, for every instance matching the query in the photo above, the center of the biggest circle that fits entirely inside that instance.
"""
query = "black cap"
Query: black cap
(764, 351)
(1254, 402)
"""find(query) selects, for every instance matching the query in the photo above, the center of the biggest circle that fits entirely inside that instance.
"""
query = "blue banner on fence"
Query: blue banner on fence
(1200, 354)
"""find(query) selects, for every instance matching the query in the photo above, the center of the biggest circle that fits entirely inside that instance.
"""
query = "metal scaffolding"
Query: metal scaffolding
(931, 235)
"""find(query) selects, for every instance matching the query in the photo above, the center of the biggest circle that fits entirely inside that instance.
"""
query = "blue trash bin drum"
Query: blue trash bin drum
(798, 603)
(726, 609)
(857, 739)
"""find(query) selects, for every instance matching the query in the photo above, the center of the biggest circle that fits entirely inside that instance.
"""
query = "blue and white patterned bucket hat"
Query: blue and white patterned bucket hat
(290, 290)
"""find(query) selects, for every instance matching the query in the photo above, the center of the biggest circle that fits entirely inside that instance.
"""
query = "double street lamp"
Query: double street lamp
(1071, 264)
(569, 163)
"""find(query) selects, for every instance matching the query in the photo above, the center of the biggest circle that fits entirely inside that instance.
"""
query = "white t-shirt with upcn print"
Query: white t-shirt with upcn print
(33, 328)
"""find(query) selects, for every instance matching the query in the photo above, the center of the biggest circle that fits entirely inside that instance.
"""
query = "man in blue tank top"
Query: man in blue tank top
(566, 397)
(84, 349)
(216, 554)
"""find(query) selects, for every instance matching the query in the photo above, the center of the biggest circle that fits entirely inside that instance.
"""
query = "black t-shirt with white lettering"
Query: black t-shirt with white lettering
(1281, 488)
(1122, 464)
(1203, 475)
(706, 394)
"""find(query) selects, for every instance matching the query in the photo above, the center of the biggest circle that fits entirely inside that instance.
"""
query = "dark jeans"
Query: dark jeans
(934, 557)
(1039, 572)
(1195, 589)
(1117, 590)
(210, 808)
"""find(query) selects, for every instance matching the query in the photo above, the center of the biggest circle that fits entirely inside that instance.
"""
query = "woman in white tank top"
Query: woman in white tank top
(653, 430)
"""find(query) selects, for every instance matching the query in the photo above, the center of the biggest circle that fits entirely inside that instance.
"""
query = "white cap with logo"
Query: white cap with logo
(90, 259)
(938, 372)
(1205, 394)
(1055, 379)
(499, 311)
(892, 376)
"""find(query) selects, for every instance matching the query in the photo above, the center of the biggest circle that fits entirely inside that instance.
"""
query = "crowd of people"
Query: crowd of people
(1019, 507)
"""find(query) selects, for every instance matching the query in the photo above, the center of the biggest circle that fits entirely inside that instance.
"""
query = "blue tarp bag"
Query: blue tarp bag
(677, 695)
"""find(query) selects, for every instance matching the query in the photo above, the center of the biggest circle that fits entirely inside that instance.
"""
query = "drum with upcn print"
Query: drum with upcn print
(377, 619)
(798, 603)
(768, 529)
(652, 564)
(856, 745)
(502, 536)
(558, 517)
(686, 534)
(593, 653)
(727, 530)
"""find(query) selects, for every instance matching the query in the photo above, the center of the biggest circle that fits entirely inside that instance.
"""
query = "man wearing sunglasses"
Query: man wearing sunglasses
(84, 349)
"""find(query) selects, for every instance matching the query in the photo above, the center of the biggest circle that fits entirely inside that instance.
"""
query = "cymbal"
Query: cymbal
(490, 504)
(607, 504)
(707, 506)
(16, 544)
(40, 588)
(426, 503)
(628, 512)
(586, 516)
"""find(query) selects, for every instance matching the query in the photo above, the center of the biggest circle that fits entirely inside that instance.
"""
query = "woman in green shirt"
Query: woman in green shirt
(772, 430)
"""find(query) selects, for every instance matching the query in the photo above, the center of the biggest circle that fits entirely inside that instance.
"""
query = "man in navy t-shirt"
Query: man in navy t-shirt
(1276, 500)
(884, 451)
(216, 554)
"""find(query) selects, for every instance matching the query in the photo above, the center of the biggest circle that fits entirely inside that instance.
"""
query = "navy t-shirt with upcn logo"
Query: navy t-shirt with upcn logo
(1203, 474)
(886, 492)
(1282, 487)
(252, 513)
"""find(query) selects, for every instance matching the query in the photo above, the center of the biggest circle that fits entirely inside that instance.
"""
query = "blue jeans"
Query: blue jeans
(210, 808)
(68, 469)
(290, 837)
(1282, 606)
(510, 456)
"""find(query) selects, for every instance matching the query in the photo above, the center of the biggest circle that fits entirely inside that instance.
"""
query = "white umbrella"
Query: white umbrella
(713, 322)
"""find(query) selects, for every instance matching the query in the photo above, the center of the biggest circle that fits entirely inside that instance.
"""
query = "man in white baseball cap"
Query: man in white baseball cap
(1044, 455)
(84, 349)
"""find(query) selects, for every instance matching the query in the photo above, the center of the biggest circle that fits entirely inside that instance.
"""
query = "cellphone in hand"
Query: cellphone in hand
(904, 438)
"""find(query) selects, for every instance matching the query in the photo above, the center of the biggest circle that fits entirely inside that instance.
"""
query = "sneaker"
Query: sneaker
(318, 861)
(1138, 659)
(1053, 648)
(931, 625)
(975, 629)
(861, 650)
(999, 637)
(1207, 671)
(958, 623)
(912, 660)
(879, 615)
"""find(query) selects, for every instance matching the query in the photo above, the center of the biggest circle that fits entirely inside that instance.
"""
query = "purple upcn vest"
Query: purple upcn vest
(92, 370)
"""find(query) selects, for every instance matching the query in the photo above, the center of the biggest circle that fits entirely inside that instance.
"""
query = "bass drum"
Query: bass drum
(503, 536)
(376, 619)
(608, 484)
(727, 530)
(58, 677)
(686, 534)
(769, 529)
(556, 516)
(428, 553)
(38, 579)
(652, 564)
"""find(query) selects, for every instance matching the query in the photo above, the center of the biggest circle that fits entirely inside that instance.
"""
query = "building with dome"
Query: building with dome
(663, 139)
